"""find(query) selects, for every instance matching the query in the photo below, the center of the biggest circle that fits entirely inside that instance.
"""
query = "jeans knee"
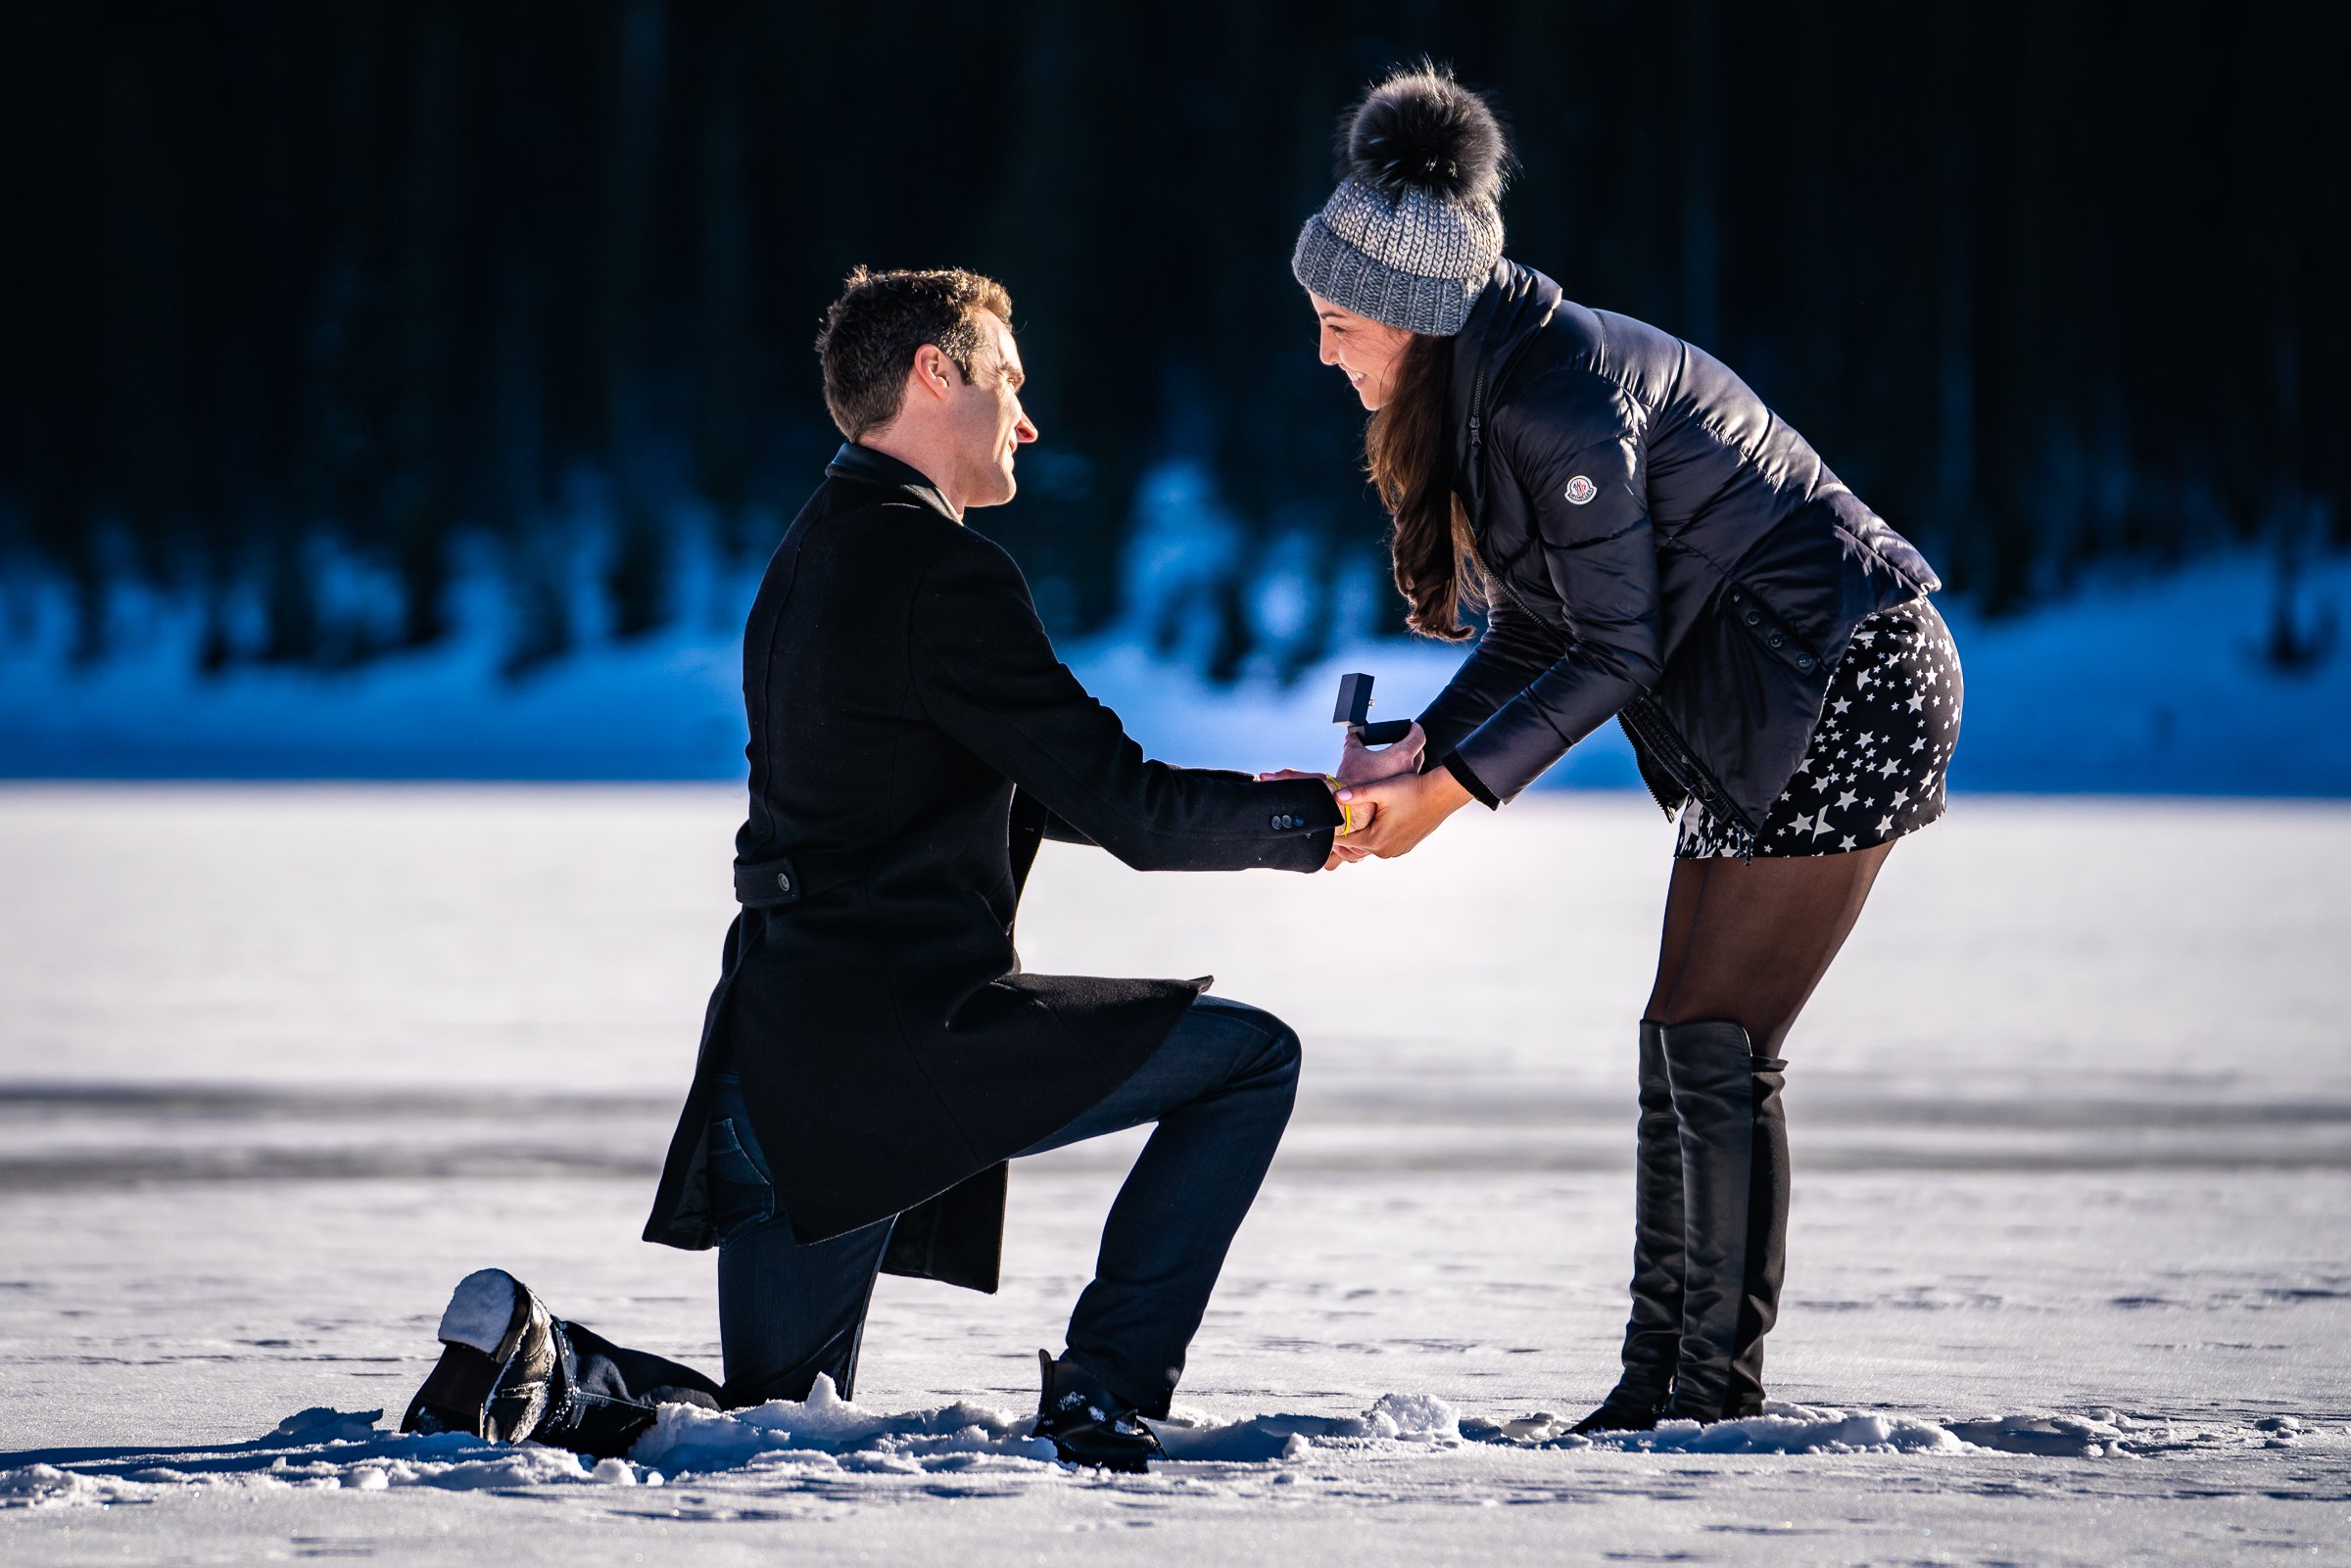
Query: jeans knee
(1255, 1049)
(1281, 1055)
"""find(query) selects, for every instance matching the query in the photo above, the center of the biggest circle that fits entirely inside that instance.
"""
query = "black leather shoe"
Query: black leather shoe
(1088, 1424)
(498, 1361)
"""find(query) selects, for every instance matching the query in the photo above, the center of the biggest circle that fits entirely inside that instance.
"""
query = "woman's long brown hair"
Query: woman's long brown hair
(1408, 449)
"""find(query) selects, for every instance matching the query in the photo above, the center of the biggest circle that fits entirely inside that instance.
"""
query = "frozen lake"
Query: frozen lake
(2070, 1266)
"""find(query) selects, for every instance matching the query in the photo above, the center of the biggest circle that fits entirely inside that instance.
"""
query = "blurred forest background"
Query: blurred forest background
(305, 294)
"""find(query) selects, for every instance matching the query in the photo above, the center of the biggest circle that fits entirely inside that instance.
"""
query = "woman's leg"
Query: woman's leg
(1744, 945)
(1747, 942)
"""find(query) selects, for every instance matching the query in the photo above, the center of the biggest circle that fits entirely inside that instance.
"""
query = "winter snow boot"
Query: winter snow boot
(1734, 1145)
(1653, 1334)
(1088, 1424)
(499, 1366)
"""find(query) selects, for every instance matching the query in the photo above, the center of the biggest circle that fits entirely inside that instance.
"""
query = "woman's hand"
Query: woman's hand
(1405, 809)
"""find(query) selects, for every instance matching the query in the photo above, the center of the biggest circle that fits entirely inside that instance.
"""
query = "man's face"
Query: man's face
(989, 423)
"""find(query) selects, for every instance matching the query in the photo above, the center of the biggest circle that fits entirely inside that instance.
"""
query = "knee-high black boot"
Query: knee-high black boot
(1766, 1240)
(1734, 1146)
(1653, 1332)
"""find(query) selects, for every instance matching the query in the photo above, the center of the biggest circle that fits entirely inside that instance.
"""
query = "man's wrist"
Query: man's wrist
(1345, 808)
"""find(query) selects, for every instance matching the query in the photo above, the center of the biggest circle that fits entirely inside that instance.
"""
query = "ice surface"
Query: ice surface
(2070, 1265)
(354, 1456)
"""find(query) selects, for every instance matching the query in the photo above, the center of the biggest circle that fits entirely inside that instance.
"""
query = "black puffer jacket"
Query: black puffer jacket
(1665, 551)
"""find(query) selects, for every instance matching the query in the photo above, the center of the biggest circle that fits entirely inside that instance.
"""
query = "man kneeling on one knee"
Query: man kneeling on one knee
(874, 1053)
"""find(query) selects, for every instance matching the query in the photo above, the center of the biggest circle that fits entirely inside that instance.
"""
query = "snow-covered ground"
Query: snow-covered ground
(2071, 1273)
(2136, 683)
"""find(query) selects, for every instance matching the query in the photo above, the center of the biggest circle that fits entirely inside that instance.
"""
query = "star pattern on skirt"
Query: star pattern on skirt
(1889, 723)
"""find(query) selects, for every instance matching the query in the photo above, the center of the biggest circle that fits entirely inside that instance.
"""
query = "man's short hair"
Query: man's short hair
(872, 332)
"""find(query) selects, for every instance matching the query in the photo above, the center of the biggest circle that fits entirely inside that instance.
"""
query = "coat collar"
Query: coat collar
(862, 466)
(1517, 303)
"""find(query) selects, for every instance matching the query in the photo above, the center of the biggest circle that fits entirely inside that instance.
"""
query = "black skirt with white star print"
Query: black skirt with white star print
(1875, 768)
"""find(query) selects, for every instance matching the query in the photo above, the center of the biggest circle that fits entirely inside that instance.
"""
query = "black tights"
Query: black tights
(1746, 942)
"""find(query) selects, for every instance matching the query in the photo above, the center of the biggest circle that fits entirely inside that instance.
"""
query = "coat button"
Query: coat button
(1752, 617)
(1775, 639)
(1279, 823)
(783, 882)
(1804, 662)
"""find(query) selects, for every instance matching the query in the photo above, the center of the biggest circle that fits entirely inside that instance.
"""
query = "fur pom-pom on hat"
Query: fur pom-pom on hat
(1412, 235)
(1422, 128)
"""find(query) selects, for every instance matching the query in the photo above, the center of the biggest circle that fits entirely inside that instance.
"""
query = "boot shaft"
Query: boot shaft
(1733, 1144)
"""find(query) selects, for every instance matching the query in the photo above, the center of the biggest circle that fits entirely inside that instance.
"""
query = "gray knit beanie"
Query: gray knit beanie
(1413, 232)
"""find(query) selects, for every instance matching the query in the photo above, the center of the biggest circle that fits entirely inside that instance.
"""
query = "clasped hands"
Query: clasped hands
(1391, 804)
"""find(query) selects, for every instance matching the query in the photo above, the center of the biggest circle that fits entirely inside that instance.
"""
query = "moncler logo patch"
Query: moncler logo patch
(1580, 489)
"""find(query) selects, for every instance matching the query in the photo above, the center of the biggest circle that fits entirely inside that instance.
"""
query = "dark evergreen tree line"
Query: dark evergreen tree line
(2046, 283)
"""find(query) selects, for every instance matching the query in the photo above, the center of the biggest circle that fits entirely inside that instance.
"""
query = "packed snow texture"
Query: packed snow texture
(789, 1445)
(2072, 1118)
(2136, 683)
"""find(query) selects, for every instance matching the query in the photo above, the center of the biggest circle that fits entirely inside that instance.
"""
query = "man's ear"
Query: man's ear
(934, 373)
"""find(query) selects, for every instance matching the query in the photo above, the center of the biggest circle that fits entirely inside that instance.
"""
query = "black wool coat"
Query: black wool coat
(1665, 551)
(912, 738)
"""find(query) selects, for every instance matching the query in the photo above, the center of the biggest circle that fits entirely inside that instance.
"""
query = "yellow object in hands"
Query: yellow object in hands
(1345, 808)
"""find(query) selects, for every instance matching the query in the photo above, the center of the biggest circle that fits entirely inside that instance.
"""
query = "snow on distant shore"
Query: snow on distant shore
(2147, 685)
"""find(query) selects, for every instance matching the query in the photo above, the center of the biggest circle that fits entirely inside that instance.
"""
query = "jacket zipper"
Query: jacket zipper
(1478, 403)
(1669, 807)
(1649, 729)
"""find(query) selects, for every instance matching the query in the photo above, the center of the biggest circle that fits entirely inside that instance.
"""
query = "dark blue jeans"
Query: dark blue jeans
(1221, 1091)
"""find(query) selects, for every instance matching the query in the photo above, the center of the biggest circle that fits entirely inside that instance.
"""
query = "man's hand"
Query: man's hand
(1406, 808)
(1364, 812)
(1361, 764)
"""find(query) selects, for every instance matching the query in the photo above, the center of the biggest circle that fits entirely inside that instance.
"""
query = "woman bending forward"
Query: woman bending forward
(1650, 544)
